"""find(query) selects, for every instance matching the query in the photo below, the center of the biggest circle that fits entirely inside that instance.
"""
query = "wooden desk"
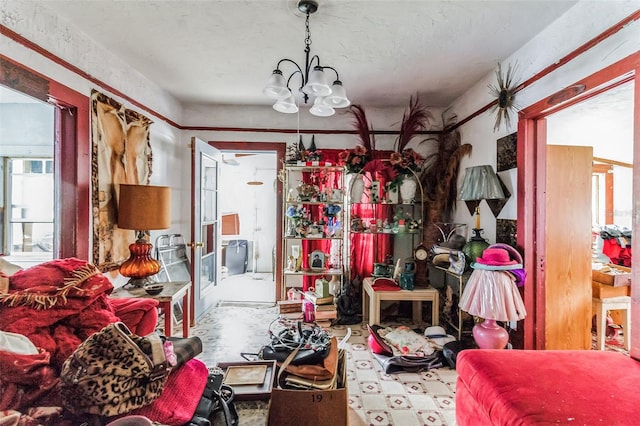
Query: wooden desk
(171, 293)
(371, 307)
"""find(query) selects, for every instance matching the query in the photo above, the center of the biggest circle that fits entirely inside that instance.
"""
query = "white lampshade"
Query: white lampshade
(317, 84)
(286, 105)
(338, 96)
(276, 87)
(320, 108)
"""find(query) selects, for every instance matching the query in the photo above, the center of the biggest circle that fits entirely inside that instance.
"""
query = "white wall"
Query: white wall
(581, 23)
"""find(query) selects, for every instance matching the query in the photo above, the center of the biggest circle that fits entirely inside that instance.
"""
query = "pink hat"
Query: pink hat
(513, 253)
(495, 259)
(377, 343)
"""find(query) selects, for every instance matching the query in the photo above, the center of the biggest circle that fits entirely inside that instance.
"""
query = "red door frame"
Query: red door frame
(531, 183)
(72, 153)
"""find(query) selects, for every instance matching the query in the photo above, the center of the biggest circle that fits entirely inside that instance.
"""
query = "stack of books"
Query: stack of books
(325, 310)
(291, 309)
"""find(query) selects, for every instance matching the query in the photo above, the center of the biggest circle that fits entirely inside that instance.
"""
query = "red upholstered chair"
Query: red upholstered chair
(140, 315)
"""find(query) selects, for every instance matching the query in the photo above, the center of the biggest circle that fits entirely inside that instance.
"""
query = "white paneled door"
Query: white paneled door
(205, 242)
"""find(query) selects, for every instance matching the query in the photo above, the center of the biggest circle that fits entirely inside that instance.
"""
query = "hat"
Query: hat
(385, 284)
(438, 336)
(377, 343)
(513, 253)
(435, 331)
(495, 259)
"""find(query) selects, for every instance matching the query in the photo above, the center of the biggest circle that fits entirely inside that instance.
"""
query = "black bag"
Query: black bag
(216, 401)
(304, 356)
(451, 350)
(312, 345)
(400, 363)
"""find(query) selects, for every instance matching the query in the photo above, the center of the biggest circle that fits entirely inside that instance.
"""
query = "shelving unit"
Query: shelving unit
(442, 278)
(378, 226)
(314, 193)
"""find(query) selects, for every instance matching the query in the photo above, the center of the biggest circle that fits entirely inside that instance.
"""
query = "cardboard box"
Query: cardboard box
(311, 407)
(618, 276)
(602, 291)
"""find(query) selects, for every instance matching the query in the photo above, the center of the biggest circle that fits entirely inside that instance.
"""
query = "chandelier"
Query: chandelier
(314, 81)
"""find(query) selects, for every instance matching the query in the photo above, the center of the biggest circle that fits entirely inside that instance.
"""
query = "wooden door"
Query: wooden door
(567, 258)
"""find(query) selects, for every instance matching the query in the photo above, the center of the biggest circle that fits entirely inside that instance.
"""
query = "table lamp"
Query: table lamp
(491, 293)
(142, 208)
(480, 183)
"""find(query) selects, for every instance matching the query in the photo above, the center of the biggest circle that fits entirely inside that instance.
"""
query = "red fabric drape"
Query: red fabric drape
(369, 248)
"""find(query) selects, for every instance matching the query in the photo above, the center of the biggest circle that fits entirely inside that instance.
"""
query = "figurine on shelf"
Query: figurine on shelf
(356, 224)
(413, 225)
(292, 154)
(291, 264)
(301, 231)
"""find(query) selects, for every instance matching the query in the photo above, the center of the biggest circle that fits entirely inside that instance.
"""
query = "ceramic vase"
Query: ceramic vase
(375, 192)
(334, 285)
(357, 189)
(392, 194)
(408, 190)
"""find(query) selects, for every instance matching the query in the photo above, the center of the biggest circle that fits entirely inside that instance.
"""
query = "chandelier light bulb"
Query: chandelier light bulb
(276, 87)
(338, 96)
(286, 105)
(317, 84)
(320, 108)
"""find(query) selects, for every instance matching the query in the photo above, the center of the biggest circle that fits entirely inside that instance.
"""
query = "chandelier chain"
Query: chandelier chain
(307, 40)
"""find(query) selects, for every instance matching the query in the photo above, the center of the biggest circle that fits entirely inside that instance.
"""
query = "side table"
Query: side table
(171, 293)
(371, 307)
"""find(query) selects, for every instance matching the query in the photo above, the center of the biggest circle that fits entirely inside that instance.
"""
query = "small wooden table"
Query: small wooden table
(371, 307)
(171, 293)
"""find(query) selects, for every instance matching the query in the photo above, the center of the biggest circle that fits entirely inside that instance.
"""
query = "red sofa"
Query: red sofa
(526, 387)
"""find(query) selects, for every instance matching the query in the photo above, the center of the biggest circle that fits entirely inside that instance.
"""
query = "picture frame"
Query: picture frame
(252, 391)
(317, 260)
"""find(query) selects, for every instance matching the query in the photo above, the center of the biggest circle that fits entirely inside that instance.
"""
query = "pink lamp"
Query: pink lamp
(491, 293)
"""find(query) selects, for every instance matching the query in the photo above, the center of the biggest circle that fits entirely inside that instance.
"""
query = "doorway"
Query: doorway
(603, 124)
(250, 209)
(532, 205)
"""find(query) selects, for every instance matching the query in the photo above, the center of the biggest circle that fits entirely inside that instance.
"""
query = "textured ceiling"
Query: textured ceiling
(223, 51)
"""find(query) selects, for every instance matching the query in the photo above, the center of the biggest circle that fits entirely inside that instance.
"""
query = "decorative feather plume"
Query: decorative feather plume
(414, 120)
(362, 127)
(440, 177)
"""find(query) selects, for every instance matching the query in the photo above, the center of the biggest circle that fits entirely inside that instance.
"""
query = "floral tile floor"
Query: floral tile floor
(375, 398)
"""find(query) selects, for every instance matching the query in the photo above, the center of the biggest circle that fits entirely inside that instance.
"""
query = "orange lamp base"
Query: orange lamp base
(140, 266)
